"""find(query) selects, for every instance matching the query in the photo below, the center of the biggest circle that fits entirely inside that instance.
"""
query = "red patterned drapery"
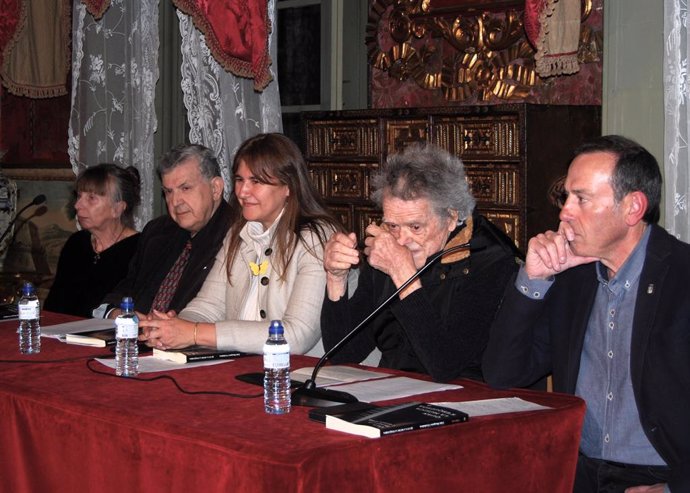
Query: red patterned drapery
(12, 19)
(553, 27)
(531, 19)
(96, 7)
(36, 58)
(236, 33)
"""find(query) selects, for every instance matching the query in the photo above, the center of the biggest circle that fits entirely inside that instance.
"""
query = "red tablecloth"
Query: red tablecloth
(65, 428)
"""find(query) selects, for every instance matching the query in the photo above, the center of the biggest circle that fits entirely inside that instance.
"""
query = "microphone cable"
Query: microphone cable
(92, 358)
(173, 380)
(46, 361)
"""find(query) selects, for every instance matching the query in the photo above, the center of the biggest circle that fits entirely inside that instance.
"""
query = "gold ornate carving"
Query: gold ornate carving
(471, 51)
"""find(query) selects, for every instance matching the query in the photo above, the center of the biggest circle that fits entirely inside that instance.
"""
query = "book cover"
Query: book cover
(94, 338)
(386, 420)
(195, 353)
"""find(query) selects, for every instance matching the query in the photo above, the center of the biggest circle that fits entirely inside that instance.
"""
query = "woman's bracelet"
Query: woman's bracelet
(196, 327)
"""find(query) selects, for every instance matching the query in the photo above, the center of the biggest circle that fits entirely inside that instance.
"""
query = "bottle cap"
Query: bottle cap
(27, 289)
(276, 328)
(127, 304)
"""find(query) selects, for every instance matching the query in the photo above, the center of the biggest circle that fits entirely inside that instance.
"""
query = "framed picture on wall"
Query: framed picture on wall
(39, 233)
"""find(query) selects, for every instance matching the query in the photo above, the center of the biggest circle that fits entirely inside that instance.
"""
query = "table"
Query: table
(65, 428)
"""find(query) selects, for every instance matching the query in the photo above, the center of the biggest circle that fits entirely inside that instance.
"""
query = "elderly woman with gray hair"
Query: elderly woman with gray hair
(439, 324)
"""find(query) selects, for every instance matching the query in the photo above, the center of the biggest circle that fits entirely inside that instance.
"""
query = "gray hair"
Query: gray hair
(426, 171)
(123, 185)
(208, 164)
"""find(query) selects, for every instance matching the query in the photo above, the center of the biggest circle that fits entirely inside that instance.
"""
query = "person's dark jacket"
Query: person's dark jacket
(82, 278)
(440, 329)
(531, 338)
(160, 245)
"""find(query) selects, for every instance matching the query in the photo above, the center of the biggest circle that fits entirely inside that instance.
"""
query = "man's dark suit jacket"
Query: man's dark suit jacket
(532, 338)
(160, 244)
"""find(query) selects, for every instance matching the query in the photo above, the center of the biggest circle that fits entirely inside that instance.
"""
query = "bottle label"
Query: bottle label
(127, 328)
(276, 357)
(28, 310)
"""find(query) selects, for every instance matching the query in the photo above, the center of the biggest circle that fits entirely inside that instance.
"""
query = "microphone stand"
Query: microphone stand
(38, 200)
(309, 394)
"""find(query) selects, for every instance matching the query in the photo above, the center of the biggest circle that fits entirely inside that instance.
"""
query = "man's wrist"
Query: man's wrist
(534, 289)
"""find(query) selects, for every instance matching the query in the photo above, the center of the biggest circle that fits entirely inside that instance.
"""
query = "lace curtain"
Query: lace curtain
(113, 116)
(677, 124)
(114, 75)
(224, 110)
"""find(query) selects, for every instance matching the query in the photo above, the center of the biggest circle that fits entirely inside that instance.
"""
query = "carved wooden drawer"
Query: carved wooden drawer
(340, 140)
(345, 214)
(342, 181)
(365, 216)
(509, 223)
(494, 184)
(401, 133)
(356, 218)
(479, 138)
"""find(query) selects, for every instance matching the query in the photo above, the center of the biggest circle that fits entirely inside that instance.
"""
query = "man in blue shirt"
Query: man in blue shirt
(604, 305)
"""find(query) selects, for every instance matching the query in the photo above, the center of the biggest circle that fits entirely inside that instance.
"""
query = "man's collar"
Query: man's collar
(463, 236)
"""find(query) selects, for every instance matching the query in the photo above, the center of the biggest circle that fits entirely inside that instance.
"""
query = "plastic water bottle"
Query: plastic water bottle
(276, 371)
(126, 335)
(29, 310)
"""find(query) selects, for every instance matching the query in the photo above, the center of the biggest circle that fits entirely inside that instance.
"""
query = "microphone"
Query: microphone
(310, 395)
(38, 200)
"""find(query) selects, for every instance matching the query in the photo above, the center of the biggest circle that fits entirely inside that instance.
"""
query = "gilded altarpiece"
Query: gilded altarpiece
(426, 53)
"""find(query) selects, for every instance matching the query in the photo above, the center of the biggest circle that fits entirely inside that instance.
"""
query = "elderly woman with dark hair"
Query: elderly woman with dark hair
(96, 258)
(439, 324)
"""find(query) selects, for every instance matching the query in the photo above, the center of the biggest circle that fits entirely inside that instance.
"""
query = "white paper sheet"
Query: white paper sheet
(148, 364)
(337, 374)
(76, 327)
(493, 406)
(392, 388)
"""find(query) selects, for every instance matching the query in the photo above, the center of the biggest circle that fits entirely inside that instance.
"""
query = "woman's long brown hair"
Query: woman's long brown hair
(275, 158)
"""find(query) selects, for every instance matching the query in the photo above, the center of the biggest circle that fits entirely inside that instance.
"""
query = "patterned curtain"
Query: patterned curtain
(12, 19)
(236, 32)
(114, 75)
(677, 119)
(224, 110)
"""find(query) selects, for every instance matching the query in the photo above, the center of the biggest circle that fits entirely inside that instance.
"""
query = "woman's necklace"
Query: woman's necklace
(94, 244)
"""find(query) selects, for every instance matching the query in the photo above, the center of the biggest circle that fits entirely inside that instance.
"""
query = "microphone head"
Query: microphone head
(38, 199)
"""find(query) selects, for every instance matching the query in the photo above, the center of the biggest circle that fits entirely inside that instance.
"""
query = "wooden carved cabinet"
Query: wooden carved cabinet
(513, 154)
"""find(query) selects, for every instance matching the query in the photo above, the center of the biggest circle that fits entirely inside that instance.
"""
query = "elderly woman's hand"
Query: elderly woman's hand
(166, 331)
(387, 255)
(340, 254)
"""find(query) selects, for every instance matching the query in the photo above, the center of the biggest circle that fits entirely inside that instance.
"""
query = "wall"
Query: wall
(633, 95)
